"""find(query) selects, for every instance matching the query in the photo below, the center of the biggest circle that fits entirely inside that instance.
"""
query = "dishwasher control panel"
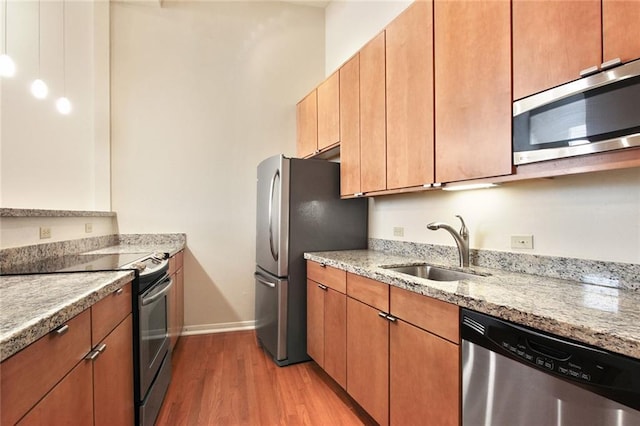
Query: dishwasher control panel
(571, 365)
(572, 361)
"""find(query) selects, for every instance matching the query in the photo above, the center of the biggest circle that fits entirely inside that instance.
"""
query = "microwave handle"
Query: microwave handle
(623, 72)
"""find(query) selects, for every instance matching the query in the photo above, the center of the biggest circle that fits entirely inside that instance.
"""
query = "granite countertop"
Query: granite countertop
(601, 316)
(171, 248)
(33, 305)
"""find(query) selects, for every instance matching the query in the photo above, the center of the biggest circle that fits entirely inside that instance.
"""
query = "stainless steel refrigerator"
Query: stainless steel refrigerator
(298, 210)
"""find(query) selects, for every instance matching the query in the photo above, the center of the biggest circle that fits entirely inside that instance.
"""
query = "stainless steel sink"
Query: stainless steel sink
(431, 272)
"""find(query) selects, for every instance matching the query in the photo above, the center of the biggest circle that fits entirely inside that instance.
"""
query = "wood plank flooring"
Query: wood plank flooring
(226, 379)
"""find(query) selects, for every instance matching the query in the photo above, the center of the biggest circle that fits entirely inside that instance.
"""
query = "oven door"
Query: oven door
(154, 333)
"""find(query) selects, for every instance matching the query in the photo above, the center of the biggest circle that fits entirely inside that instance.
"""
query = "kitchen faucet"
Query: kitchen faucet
(461, 238)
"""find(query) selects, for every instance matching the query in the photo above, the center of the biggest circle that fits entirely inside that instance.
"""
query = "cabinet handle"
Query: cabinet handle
(96, 353)
(358, 194)
(610, 64)
(62, 329)
(323, 265)
(591, 70)
(118, 292)
(322, 287)
(387, 316)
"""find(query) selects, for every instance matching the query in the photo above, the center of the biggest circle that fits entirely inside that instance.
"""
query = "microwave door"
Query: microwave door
(271, 216)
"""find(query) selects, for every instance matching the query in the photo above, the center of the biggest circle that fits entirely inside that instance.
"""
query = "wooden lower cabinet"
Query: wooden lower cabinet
(368, 359)
(69, 403)
(63, 378)
(176, 299)
(402, 348)
(327, 319)
(424, 376)
(113, 378)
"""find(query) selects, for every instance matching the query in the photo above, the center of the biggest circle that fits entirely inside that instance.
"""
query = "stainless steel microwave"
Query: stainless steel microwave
(597, 113)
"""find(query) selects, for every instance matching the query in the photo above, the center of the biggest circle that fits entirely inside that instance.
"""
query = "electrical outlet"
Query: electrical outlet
(522, 241)
(45, 232)
(398, 231)
(88, 228)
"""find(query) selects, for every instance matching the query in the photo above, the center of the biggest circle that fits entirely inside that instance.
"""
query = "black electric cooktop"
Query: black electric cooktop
(77, 263)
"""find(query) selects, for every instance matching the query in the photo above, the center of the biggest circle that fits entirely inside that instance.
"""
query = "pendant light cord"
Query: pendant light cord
(64, 54)
(5, 25)
(39, 38)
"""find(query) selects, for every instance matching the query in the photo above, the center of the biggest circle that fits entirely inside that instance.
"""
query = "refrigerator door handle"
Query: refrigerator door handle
(274, 252)
(267, 283)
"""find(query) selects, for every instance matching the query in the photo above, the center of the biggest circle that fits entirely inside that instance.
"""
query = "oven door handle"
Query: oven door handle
(157, 295)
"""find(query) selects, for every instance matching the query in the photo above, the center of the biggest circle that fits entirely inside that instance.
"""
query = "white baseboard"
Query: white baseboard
(193, 330)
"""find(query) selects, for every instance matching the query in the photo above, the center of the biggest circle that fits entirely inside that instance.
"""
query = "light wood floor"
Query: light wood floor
(226, 379)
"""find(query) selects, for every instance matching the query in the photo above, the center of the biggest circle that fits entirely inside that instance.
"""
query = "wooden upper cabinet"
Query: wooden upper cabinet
(373, 159)
(329, 111)
(473, 89)
(307, 125)
(409, 88)
(621, 32)
(553, 41)
(350, 127)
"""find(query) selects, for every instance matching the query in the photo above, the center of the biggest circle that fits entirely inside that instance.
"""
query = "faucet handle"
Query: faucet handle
(464, 231)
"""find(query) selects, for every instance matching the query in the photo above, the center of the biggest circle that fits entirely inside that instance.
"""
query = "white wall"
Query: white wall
(201, 93)
(51, 161)
(350, 24)
(24, 231)
(592, 216)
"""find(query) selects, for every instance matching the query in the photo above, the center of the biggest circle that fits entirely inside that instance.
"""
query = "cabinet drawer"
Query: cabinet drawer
(28, 375)
(438, 317)
(331, 277)
(109, 312)
(371, 292)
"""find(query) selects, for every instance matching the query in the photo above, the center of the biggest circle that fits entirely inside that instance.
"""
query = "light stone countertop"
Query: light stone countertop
(600, 316)
(170, 248)
(33, 305)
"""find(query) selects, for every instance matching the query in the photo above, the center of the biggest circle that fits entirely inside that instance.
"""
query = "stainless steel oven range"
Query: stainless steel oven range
(151, 339)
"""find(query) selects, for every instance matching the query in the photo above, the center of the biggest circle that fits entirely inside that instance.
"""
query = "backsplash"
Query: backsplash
(609, 274)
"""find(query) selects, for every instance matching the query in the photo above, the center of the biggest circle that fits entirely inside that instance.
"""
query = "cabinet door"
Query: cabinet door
(329, 111)
(113, 378)
(473, 89)
(350, 127)
(29, 374)
(552, 42)
(172, 313)
(621, 32)
(335, 336)
(180, 301)
(425, 377)
(68, 403)
(315, 322)
(368, 359)
(373, 158)
(307, 125)
(409, 88)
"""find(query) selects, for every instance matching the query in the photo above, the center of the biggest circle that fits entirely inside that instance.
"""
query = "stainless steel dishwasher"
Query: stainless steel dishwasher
(513, 375)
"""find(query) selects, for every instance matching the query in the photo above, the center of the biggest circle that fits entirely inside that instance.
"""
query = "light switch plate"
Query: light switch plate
(398, 231)
(522, 241)
(88, 228)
